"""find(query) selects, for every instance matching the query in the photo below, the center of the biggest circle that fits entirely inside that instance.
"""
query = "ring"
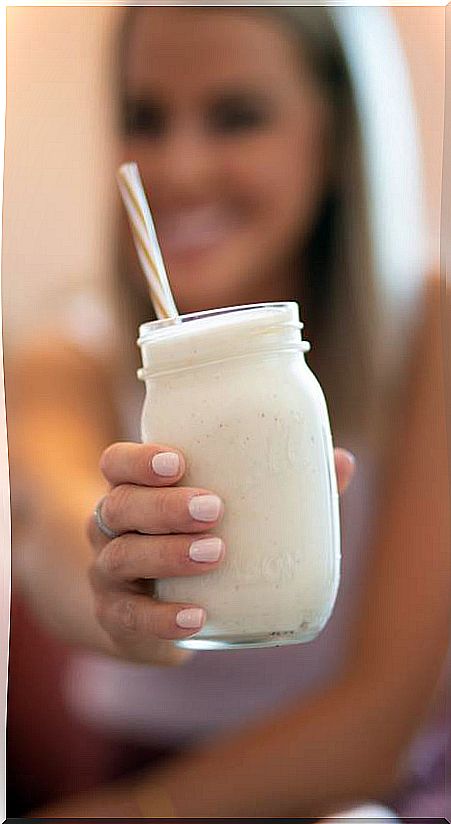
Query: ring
(109, 533)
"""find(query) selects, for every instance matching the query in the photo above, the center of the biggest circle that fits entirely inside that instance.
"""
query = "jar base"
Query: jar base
(273, 639)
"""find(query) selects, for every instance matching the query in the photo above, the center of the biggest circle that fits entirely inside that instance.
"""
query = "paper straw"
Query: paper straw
(146, 240)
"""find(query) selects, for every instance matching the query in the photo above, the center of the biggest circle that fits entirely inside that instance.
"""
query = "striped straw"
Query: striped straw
(146, 242)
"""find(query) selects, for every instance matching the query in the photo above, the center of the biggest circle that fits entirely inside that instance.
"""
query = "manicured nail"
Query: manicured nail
(204, 507)
(190, 618)
(166, 464)
(206, 550)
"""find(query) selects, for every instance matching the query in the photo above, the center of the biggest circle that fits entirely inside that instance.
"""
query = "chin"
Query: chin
(198, 300)
(212, 279)
(195, 289)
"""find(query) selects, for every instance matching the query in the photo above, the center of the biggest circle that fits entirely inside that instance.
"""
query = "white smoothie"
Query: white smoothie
(234, 392)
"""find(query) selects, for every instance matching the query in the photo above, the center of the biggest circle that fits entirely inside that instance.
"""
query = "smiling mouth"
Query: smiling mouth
(195, 230)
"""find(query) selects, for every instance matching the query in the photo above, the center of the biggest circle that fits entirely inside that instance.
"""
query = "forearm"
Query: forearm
(51, 558)
(51, 563)
(61, 415)
(343, 745)
(308, 761)
(348, 742)
(66, 611)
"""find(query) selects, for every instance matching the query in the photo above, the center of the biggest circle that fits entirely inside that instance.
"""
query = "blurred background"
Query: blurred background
(59, 205)
(59, 108)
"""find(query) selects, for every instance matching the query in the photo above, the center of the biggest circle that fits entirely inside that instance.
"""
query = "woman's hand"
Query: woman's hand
(160, 531)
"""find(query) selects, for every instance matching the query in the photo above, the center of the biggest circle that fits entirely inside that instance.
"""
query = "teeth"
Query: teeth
(198, 228)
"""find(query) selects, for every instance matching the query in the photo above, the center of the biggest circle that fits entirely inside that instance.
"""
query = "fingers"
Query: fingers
(345, 468)
(157, 465)
(139, 508)
(130, 557)
(135, 618)
(129, 508)
(161, 534)
(143, 464)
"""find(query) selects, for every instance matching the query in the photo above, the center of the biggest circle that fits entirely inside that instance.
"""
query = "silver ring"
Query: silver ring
(109, 533)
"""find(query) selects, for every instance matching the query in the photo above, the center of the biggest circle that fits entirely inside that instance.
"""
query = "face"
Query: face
(230, 132)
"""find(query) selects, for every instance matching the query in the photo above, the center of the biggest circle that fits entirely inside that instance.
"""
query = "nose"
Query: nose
(184, 164)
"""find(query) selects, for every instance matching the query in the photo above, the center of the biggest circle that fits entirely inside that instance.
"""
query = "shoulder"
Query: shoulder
(48, 360)
(423, 412)
(437, 303)
(433, 326)
(416, 399)
(79, 343)
(53, 384)
(57, 393)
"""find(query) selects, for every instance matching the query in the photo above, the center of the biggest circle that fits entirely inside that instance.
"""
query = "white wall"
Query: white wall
(58, 164)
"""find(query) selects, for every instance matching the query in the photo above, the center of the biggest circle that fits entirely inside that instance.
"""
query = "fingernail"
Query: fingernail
(204, 507)
(350, 456)
(166, 464)
(206, 549)
(190, 618)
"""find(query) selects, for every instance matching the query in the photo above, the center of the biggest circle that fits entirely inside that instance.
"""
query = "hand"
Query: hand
(162, 531)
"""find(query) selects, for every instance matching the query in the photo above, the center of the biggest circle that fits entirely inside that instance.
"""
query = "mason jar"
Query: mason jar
(232, 389)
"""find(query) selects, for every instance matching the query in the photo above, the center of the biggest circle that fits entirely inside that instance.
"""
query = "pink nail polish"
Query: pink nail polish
(166, 464)
(204, 507)
(206, 550)
(190, 618)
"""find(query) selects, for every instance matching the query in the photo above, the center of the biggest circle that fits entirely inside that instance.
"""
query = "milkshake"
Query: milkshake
(232, 389)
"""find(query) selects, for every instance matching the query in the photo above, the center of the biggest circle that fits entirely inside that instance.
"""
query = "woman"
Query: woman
(245, 128)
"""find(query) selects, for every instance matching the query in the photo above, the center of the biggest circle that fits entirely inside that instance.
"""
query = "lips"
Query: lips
(199, 229)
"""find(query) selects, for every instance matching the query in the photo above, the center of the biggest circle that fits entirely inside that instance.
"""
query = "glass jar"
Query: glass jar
(231, 388)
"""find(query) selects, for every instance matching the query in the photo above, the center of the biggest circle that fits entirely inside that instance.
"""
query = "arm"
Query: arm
(60, 417)
(346, 743)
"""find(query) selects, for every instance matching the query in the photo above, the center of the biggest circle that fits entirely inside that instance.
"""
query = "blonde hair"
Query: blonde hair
(343, 310)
